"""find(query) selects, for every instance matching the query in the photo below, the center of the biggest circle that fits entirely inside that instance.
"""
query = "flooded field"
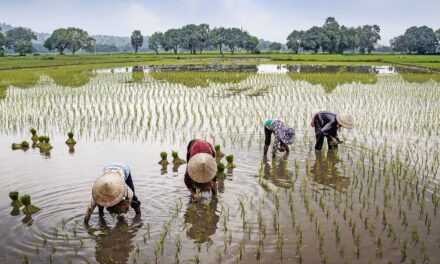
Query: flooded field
(375, 200)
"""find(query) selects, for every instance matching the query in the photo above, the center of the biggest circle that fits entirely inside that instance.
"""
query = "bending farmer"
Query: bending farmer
(202, 168)
(327, 124)
(114, 190)
(283, 136)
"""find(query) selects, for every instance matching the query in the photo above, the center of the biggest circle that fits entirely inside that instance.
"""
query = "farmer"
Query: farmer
(114, 190)
(202, 168)
(283, 136)
(327, 124)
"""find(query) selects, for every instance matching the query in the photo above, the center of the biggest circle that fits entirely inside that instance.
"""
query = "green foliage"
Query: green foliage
(294, 40)
(156, 41)
(275, 46)
(20, 39)
(221, 167)
(59, 40)
(33, 131)
(13, 195)
(420, 78)
(28, 207)
(70, 134)
(201, 79)
(230, 158)
(163, 155)
(420, 40)
(25, 199)
(136, 40)
(25, 144)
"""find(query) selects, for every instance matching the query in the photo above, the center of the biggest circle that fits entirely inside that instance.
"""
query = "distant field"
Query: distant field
(127, 59)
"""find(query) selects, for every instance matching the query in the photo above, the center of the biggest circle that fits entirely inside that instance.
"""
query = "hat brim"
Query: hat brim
(109, 189)
(202, 168)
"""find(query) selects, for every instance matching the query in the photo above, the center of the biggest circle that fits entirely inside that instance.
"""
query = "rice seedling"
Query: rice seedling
(24, 145)
(14, 197)
(176, 159)
(28, 207)
(230, 159)
(163, 161)
(70, 140)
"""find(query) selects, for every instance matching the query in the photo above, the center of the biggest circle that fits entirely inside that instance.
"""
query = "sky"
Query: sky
(271, 20)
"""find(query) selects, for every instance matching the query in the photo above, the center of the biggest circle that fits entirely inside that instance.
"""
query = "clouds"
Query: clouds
(271, 20)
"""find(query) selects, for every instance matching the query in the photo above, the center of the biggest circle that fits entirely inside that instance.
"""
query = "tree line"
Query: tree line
(331, 38)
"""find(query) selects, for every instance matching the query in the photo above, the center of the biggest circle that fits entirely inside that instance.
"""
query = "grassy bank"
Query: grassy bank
(128, 59)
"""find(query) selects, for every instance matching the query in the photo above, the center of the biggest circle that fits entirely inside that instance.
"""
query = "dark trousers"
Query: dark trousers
(320, 138)
(135, 202)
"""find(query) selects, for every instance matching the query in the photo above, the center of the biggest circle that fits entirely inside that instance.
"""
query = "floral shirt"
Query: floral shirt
(283, 135)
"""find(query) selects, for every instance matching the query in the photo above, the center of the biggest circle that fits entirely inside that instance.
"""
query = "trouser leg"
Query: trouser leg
(135, 202)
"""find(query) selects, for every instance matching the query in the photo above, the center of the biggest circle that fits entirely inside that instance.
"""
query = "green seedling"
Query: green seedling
(43, 143)
(28, 207)
(176, 159)
(218, 153)
(70, 140)
(230, 160)
(14, 197)
(163, 161)
(221, 170)
(34, 137)
(24, 145)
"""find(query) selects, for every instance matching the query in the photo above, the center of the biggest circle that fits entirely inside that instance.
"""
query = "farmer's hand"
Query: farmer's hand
(335, 141)
(193, 197)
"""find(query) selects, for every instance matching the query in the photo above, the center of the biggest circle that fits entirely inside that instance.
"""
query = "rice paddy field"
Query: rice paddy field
(374, 200)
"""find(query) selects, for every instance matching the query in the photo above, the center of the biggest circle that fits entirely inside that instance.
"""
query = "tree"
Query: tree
(172, 40)
(233, 39)
(20, 39)
(203, 35)
(190, 37)
(368, 37)
(295, 40)
(313, 39)
(79, 39)
(398, 44)
(2, 42)
(156, 40)
(136, 40)
(59, 40)
(250, 43)
(331, 35)
(217, 38)
(420, 40)
(275, 46)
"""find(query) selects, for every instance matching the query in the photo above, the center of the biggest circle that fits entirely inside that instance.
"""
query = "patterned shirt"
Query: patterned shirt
(283, 135)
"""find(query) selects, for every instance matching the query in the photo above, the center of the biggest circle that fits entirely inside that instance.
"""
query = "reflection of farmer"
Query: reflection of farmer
(202, 168)
(114, 189)
(326, 124)
(324, 171)
(277, 172)
(283, 136)
(203, 218)
(113, 245)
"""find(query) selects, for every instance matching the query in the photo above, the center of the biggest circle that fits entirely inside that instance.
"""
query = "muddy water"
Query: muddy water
(380, 186)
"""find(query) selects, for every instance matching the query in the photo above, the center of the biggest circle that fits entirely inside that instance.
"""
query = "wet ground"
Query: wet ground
(374, 200)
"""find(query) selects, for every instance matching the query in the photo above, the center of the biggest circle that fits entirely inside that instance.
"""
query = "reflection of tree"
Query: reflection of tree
(137, 75)
(204, 218)
(330, 81)
(113, 245)
(277, 172)
(202, 79)
(324, 171)
(70, 78)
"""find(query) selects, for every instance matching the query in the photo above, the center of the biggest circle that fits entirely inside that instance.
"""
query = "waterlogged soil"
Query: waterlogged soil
(374, 200)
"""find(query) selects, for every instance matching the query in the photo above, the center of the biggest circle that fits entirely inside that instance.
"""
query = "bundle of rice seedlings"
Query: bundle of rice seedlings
(230, 160)
(28, 207)
(14, 197)
(221, 170)
(23, 145)
(218, 153)
(70, 140)
(176, 159)
(34, 134)
(163, 160)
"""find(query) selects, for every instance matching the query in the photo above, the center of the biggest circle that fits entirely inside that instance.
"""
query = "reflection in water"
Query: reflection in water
(203, 217)
(164, 169)
(324, 171)
(15, 211)
(113, 245)
(71, 148)
(137, 76)
(176, 167)
(27, 220)
(277, 173)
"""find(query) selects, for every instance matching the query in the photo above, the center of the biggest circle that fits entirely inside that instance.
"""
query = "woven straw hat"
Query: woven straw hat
(202, 168)
(108, 189)
(345, 120)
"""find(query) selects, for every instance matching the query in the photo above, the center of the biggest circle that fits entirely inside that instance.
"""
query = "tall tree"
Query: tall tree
(420, 40)
(233, 39)
(190, 37)
(313, 39)
(217, 38)
(59, 40)
(2, 42)
(369, 35)
(79, 39)
(331, 35)
(203, 35)
(20, 39)
(136, 40)
(156, 41)
(172, 40)
(249, 43)
(295, 40)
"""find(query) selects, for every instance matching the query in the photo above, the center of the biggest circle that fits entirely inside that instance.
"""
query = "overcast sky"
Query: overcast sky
(272, 20)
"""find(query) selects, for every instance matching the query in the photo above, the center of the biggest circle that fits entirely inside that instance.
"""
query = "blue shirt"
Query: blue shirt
(117, 165)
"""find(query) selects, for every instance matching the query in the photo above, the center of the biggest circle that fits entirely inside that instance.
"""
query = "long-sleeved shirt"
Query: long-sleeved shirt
(197, 146)
(121, 166)
(283, 135)
(326, 123)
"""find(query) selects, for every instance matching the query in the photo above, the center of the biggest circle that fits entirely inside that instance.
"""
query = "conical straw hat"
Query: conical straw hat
(202, 168)
(345, 120)
(108, 189)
